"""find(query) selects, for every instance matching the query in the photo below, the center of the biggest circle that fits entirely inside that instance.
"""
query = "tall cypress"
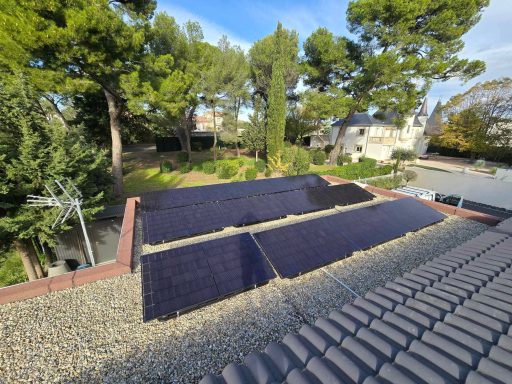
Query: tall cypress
(276, 113)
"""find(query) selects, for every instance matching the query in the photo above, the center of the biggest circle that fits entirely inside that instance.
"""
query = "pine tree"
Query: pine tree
(276, 113)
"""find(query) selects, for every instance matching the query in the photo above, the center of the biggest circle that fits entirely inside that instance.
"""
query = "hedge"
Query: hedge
(358, 171)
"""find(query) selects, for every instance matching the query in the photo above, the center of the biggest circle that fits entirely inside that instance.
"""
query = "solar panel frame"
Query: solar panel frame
(181, 279)
(315, 243)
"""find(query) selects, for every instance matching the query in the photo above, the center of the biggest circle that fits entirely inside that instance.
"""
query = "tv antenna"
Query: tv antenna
(69, 203)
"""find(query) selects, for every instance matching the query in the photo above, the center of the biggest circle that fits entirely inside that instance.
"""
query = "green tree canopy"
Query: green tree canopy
(400, 47)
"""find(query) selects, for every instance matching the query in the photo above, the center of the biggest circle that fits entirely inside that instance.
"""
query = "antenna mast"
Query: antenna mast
(68, 204)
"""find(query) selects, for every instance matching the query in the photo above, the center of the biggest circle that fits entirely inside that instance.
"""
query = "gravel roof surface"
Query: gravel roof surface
(95, 333)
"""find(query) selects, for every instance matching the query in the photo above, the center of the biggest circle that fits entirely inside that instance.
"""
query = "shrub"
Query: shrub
(493, 170)
(251, 173)
(241, 161)
(260, 165)
(268, 172)
(226, 169)
(400, 155)
(387, 182)
(368, 161)
(184, 168)
(358, 171)
(208, 167)
(296, 160)
(479, 163)
(11, 269)
(196, 146)
(165, 166)
(328, 148)
(182, 157)
(344, 159)
(318, 157)
(409, 176)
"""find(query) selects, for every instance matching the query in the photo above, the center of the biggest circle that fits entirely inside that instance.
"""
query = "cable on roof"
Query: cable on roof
(340, 282)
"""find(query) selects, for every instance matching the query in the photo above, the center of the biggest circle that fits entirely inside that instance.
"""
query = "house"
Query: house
(204, 123)
(377, 135)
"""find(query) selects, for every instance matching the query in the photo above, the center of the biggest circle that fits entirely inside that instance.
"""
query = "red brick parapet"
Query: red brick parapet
(122, 266)
(445, 208)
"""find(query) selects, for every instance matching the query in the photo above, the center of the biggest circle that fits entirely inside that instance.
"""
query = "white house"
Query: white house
(377, 135)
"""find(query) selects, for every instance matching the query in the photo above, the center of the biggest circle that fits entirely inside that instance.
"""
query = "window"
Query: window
(361, 132)
(359, 148)
(408, 128)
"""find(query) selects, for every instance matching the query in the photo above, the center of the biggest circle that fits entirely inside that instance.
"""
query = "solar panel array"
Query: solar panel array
(175, 223)
(180, 279)
(180, 197)
(314, 243)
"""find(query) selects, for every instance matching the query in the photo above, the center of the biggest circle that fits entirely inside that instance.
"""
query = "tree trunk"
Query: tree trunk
(58, 112)
(114, 112)
(256, 155)
(214, 136)
(237, 110)
(25, 250)
(189, 127)
(333, 156)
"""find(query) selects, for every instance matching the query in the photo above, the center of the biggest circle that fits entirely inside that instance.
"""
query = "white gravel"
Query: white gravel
(94, 333)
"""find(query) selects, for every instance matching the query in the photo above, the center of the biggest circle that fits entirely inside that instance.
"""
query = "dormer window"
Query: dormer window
(361, 132)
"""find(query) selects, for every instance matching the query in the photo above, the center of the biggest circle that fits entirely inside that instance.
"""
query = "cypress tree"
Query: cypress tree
(276, 114)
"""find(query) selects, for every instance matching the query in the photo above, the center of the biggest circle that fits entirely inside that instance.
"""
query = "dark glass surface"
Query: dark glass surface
(314, 243)
(183, 278)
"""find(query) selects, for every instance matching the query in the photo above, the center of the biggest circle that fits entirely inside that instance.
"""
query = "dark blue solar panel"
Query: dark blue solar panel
(171, 224)
(314, 243)
(180, 279)
(176, 223)
(178, 197)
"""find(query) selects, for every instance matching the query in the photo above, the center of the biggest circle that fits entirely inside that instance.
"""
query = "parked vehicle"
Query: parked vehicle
(427, 194)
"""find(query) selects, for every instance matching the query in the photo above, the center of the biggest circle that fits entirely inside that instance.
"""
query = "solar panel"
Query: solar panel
(179, 197)
(314, 243)
(175, 223)
(183, 278)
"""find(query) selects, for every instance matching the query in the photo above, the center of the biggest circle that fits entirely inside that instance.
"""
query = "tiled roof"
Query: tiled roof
(364, 119)
(446, 321)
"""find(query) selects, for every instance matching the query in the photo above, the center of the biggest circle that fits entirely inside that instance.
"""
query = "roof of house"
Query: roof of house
(364, 119)
(449, 320)
(434, 123)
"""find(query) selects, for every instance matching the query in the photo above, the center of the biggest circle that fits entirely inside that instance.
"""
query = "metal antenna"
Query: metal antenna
(68, 205)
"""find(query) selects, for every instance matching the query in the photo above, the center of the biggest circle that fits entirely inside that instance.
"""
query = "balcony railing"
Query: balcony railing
(381, 140)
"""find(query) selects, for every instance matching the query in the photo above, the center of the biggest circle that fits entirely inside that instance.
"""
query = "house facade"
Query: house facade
(204, 122)
(376, 136)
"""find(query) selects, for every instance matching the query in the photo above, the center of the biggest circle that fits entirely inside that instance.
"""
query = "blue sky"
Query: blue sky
(246, 21)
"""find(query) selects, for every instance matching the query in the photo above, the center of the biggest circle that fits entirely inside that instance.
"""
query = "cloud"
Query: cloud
(212, 32)
(490, 41)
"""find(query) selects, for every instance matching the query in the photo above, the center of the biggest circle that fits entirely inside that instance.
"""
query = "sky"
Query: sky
(246, 21)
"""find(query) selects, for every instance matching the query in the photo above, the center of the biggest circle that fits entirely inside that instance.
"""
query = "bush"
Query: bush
(184, 168)
(410, 176)
(251, 173)
(182, 157)
(343, 159)
(387, 182)
(358, 171)
(296, 160)
(196, 146)
(479, 163)
(11, 269)
(318, 157)
(260, 165)
(328, 148)
(226, 169)
(368, 161)
(208, 167)
(268, 172)
(165, 166)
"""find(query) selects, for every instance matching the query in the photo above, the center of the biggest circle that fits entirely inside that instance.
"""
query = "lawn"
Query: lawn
(142, 171)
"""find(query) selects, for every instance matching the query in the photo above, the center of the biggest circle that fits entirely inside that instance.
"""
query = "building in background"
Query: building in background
(377, 135)
(204, 122)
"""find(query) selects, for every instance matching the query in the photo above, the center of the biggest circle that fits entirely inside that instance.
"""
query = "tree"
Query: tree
(219, 79)
(401, 155)
(276, 110)
(39, 153)
(479, 120)
(401, 46)
(94, 40)
(253, 136)
(409, 175)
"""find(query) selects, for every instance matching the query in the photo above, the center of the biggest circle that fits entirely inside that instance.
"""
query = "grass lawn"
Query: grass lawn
(142, 172)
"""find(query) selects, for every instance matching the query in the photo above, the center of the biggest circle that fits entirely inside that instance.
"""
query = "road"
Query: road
(479, 188)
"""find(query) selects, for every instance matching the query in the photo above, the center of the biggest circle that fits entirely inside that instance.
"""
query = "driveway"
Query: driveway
(479, 188)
